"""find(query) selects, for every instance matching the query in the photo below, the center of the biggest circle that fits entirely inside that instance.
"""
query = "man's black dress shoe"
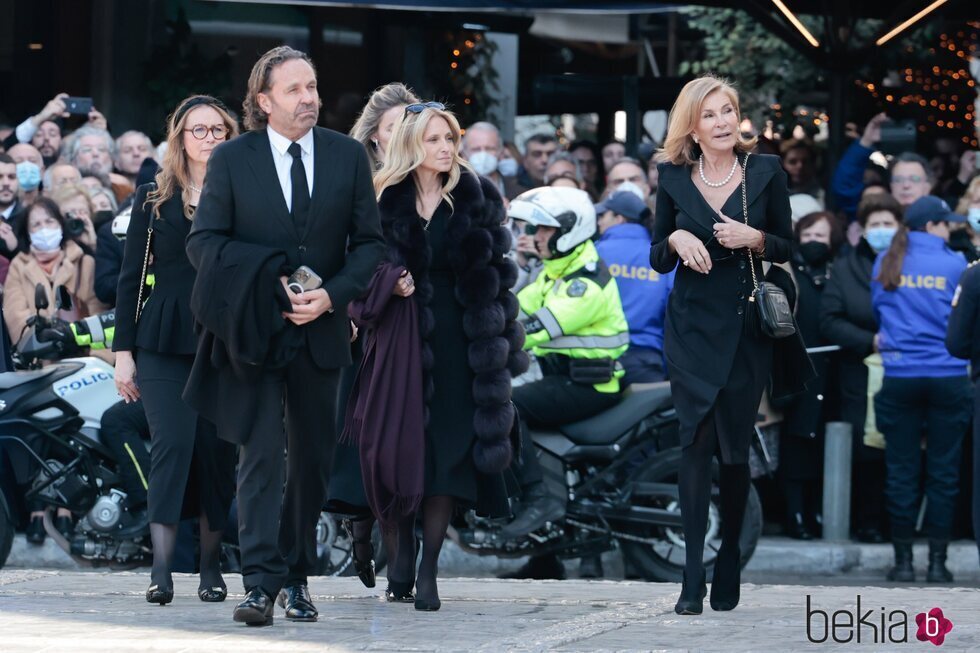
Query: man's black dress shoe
(298, 604)
(364, 568)
(256, 610)
(35, 531)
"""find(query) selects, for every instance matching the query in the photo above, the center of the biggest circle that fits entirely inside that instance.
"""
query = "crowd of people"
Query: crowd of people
(608, 270)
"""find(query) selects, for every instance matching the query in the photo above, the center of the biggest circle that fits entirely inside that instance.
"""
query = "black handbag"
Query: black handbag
(774, 312)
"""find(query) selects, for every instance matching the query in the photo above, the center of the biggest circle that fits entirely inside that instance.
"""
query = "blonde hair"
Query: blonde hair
(67, 192)
(971, 195)
(406, 152)
(174, 172)
(679, 147)
(382, 99)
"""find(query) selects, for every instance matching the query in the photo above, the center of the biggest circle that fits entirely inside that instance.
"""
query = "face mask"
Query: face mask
(880, 237)
(815, 253)
(28, 175)
(631, 187)
(973, 216)
(507, 167)
(99, 218)
(484, 163)
(47, 239)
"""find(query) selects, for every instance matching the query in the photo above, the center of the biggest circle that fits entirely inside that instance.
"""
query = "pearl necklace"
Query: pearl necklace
(731, 173)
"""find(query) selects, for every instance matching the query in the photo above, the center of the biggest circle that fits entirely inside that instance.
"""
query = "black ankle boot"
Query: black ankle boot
(902, 571)
(796, 527)
(727, 581)
(938, 573)
(692, 596)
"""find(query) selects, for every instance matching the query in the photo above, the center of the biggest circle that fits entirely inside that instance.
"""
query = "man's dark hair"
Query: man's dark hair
(912, 157)
(6, 158)
(258, 82)
(879, 202)
(542, 139)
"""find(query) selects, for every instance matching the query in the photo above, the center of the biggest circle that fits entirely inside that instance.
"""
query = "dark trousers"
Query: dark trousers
(643, 365)
(976, 465)
(905, 410)
(124, 432)
(277, 527)
(548, 403)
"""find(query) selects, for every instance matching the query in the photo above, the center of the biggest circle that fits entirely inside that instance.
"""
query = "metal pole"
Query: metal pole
(837, 481)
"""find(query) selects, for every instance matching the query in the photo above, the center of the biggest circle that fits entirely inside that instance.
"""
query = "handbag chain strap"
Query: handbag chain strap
(146, 265)
(745, 216)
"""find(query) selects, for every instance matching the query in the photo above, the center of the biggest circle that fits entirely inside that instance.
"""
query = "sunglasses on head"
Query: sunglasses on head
(422, 106)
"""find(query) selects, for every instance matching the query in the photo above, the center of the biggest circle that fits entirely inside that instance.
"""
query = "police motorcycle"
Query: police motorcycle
(56, 409)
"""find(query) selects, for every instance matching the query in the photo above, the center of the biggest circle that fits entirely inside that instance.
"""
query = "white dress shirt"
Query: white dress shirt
(284, 162)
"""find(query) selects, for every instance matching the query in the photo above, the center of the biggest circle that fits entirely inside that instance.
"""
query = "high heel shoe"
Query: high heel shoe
(364, 568)
(215, 594)
(424, 605)
(692, 596)
(399, 592)
(161, 595)
(727, 581)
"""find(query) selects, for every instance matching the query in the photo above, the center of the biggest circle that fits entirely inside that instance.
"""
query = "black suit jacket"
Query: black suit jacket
(343, 243)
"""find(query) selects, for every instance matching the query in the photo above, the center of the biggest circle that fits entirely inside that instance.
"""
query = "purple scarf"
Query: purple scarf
(385, 411)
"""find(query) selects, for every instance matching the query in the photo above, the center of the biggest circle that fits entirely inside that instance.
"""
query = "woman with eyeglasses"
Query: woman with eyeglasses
(925, 394)
(191, 471)
(441, 346)
(719, 361)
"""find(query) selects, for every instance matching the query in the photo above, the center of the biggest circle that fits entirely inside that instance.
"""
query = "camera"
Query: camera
(303, 279)
(74, 227)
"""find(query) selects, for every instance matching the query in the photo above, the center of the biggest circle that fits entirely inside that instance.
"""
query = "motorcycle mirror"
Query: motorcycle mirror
(62, 298)
(40, 297)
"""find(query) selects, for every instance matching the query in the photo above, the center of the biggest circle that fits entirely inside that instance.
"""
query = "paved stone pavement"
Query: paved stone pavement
(106, 612)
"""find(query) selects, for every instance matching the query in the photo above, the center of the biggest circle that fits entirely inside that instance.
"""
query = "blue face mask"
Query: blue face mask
(507, 167)
(973, 216)
(880, 237)
(28, 175)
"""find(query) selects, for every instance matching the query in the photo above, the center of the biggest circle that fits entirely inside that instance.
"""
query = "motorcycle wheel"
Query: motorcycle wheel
(664, 560)
(6, 531)
(335, 551)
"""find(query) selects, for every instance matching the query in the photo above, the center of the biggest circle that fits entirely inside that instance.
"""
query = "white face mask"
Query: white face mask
(631, 187)
(973, 216)
(507, 167)
(484, 163)
(47, 239)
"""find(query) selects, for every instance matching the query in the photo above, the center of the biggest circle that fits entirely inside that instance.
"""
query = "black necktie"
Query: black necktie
(301, 190)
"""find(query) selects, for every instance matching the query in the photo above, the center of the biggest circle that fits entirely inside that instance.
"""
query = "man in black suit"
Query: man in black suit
(306, 191)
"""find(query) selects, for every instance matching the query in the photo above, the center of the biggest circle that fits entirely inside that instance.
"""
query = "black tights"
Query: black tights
(694, 480)
(400, 545)
(164, 540)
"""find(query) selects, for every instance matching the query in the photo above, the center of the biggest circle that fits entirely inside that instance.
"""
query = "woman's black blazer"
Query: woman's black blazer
(166, 324)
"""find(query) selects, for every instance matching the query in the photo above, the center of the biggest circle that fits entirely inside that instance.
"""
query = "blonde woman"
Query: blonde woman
(191, 471)
(75, 204)
(377, 121)
(441, 348)
(718, 360)
(373, 130)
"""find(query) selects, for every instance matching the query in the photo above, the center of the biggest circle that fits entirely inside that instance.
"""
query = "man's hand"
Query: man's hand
(872, 131)
(8, 235)
(96, 119)
(307, 306)
(55, 108)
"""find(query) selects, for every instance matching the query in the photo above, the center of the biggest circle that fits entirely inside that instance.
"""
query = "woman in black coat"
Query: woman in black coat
(191, 470)
(443, 229)
(718, 360)
(847, 320)
(818, 236)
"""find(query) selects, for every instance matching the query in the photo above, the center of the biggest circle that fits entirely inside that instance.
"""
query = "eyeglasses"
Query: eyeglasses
(422, 106)
(200, 132)
(911, 179)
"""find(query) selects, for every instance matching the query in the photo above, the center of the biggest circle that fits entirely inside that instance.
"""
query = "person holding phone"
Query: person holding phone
(191, 470)
(44, 129)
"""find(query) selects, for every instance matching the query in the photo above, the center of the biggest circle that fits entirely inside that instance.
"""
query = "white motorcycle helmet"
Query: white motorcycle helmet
(120, 224)
(569, 210)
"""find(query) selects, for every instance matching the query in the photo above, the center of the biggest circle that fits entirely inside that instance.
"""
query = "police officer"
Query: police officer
(624, 246)
(575, 327)
(912, 290)
(963, 341)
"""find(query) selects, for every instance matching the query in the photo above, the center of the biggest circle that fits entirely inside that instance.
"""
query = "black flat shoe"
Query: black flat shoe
(727, 582)
(398, 592)
(365, 568)
(427, 606)
(35, 531)
(212, 594)
(160, 595)
(692, 596)
(796, 528)
(298, 604)
(256, 610)
(65, 526)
